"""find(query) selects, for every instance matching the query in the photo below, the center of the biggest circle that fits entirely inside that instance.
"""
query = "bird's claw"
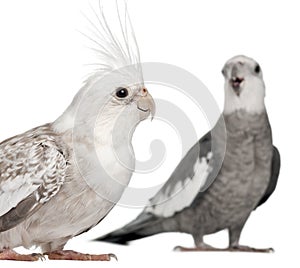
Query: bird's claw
(111, 255)
(39, 256)
(9, 254)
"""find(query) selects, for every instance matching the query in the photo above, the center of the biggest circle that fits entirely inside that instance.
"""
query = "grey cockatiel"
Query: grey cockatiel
(61, 179)
(240, 173)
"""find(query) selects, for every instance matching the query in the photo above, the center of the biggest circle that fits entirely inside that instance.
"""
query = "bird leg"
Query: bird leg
(11, 255)
(200, 245)
(76, 256)
(203, 248)
(234, 246)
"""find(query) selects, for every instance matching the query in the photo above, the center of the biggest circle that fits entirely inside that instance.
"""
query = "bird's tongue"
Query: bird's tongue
(236, 83)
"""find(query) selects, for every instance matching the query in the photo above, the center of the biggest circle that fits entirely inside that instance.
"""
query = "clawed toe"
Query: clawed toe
(11, 255)
(77, 256)
(237, 248)
(200, 248)
(111, 255)
(240, 248)
(39, 256)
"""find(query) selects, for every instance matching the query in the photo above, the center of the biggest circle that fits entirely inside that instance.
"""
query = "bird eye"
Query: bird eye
(257, 69)
(122, 93)
(223, 71)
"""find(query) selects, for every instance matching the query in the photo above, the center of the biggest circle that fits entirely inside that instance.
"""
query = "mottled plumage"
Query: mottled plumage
(247, 170)
(33, 169)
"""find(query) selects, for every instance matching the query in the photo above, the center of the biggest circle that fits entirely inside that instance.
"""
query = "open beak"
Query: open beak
(235, 83)
(146, 104)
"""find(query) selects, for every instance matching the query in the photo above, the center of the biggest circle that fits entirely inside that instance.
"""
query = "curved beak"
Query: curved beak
(146, 104)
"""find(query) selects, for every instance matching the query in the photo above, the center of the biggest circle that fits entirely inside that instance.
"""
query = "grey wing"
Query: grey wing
(186, 181)
(32, 170)
(275, 168)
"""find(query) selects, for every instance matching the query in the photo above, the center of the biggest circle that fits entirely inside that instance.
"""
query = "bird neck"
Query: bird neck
(97, 133)
(251, 100)
(104, 157)
(241, 124)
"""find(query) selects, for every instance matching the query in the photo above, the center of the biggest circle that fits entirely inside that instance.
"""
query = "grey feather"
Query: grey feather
(185, 169)
(16, 215)
(275, 169)
(194, 174)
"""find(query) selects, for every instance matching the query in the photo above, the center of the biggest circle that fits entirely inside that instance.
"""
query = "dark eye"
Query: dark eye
(122, 93)
(257, 69)
(223, 71)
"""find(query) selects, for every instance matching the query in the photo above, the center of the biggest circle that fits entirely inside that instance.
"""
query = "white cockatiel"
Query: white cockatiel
(61, 179)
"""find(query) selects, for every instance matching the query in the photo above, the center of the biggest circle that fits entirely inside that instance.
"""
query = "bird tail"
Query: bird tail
(144, 225)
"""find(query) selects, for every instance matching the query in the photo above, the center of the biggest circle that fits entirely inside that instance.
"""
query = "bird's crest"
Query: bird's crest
(113, 39)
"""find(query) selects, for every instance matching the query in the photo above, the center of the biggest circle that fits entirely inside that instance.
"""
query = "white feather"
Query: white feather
(183, 194)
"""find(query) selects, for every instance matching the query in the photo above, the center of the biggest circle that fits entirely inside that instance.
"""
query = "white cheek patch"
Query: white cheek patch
(184, 191)
(251, 98)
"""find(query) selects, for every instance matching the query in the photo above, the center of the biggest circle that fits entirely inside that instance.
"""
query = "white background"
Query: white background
(41, 68)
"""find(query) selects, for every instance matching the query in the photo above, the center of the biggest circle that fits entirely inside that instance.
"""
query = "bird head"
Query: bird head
(113, 103)
(244, 85)
(114, 94)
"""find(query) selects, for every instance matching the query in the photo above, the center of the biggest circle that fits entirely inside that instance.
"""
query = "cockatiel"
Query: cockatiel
(61, 179)
(239, 172)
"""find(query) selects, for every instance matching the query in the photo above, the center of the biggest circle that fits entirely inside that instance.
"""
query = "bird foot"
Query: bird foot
(11, 255)
(76, 256)
(240, 248)
(203, 247)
